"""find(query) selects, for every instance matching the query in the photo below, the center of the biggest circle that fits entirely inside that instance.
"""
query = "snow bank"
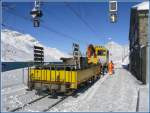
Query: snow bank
(142, 6)
(19, 47)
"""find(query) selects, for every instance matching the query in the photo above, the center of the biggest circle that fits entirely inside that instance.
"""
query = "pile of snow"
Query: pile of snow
(117, 52)
(142, 6)
(19, 47)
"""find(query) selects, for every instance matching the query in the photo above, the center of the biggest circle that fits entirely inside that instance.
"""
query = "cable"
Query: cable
(48, 28)
(22, 31)
(80, 17)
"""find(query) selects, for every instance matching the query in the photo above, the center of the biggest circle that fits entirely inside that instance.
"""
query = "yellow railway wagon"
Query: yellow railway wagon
(70, 79)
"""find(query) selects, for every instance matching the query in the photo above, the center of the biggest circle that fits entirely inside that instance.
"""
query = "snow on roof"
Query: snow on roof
(142, 6)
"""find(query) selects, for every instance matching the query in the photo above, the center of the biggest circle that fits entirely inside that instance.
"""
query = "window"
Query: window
(101, 52)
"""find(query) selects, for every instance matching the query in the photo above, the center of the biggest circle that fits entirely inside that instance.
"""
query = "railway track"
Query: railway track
(46, 102)
(56, 103)
(29, 103)
(49, 103)
(75, 93)
(18, 99)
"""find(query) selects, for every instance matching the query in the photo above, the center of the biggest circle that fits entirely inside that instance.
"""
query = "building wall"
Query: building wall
(138, 37)
(143, 27)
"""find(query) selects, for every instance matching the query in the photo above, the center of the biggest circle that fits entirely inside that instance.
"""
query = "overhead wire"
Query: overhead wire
(48, 28)
(11, 27)
(81, 18)
(60, 20)
(22, 31)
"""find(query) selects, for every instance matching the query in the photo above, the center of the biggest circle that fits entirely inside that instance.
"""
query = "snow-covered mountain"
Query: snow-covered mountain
(118, 52)
(16, 46)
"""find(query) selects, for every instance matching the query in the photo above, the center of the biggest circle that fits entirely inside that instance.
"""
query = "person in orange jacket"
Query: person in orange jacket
(111, 68)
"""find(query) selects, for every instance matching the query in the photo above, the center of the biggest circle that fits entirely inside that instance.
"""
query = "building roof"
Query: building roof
(142, 6)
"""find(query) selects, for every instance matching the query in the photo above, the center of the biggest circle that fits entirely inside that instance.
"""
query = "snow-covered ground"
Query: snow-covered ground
(143, 99)
(17, 98)
(118, 92)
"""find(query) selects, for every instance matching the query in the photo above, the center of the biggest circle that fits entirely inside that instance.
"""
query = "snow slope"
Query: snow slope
(19, 47)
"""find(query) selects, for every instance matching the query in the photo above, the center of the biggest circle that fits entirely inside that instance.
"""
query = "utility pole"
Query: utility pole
(123, 53)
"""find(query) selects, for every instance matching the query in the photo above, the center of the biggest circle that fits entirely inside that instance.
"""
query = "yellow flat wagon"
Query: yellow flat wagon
(68, 78)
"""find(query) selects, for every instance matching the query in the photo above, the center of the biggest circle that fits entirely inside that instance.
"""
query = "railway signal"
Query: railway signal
(36, 13)
(76, 54)
(113, 8)
(38, 54)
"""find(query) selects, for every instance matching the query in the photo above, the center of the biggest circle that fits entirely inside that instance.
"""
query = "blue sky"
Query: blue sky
(60, 27)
